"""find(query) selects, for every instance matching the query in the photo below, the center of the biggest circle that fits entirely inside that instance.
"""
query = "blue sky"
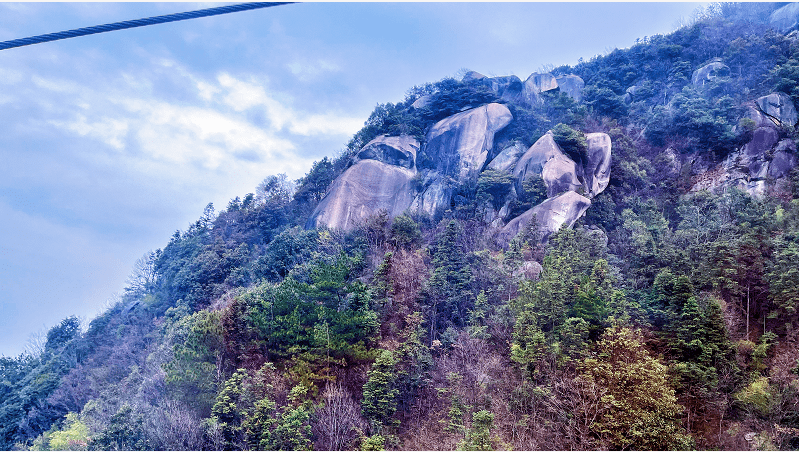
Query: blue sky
(112, 142)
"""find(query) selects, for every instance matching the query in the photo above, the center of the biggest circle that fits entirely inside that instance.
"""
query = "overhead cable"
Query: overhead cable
(137, 23)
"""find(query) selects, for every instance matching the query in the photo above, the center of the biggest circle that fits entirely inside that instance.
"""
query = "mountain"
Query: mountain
(603, 255)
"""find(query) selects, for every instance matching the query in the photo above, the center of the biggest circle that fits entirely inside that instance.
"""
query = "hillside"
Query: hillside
(602, 256)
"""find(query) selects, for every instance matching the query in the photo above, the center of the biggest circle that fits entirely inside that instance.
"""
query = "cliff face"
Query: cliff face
(384, 176)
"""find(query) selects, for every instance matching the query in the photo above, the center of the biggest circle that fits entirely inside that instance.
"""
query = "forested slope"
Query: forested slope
(665, 318)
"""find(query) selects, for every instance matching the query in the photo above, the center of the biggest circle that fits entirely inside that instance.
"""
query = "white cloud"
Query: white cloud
(311, 70)
(110, 131)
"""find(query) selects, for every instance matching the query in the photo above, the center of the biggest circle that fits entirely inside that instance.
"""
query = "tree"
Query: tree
(379, 392)
(639, 406)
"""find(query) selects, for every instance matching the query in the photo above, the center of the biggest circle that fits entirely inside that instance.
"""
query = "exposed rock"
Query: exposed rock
(536, 84)
(547, 159)
(778, 110)
(550, 215)
(472, 76)
(763, 139)
(572, 85)
(397, 151)
(506, 160)
(629, 94)
(786, 145)
(461, 143)
(529, 270)
(507, 88)
(596, 171)
(422, 101)
(781, 165)
(710, 72)
(363, 190)
(786, 17)
(436, 195)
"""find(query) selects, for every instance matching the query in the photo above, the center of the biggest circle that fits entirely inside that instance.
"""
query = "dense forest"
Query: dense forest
(665, 318)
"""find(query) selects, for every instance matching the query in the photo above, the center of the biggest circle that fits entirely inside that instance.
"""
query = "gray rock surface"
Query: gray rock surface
(380, 179)
(781, 165)
(596, 171)
(786, 17)
(709, 72)
(536, 84)
(778, 109)
(363, 190)
(507, 88)
(435, 196)
(529, 270)
(472, 76)
(397, 151)
(422, 101)
(547, 159)
(572, 85)
(506, 160)
(550, 215)
(460, 144)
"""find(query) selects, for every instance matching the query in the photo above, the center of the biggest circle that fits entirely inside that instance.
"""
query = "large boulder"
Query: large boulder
(365, 189)
(710, 72)
(545, 158)
(460, 144)
(507, 158)
(572, 85)
(596, 170)
(536, 84)
(550, 216)
(397, 151)
(379, 180)
(508, 87)
(781, 165)
(777, 110)
(435, 196)
(786, 17)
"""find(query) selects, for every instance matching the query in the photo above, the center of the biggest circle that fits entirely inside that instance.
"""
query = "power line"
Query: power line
(137, 23)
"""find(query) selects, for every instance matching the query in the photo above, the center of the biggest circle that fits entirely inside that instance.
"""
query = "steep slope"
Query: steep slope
(605, 256)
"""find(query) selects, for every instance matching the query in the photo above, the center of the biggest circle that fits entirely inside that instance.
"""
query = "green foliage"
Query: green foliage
(195, 370)
(405, 232)
(496, 185)
(639, 406)
(478, 437)
(571, 141)
(380, 391)
(451, 296)
(125, 431)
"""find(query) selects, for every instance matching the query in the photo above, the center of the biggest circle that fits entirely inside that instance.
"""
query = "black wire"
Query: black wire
(137, 23)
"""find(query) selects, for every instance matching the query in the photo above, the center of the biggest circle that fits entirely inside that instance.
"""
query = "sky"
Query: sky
(112, 142)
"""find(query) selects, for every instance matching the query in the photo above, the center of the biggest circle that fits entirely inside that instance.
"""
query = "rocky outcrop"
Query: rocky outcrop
(764, 158)
(545, 158)
(596, 170)
(506, 160)
(709, 73)
(550, 216)
(460, 144)
(380, 180)
(572, 85)
(563, 177)
(396, 151)
(785, 18)
(536, 84)
(775, 110)
(508, 87)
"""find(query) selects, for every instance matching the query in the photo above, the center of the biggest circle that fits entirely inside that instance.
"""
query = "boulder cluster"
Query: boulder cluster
(384, 175)
(768, 155)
